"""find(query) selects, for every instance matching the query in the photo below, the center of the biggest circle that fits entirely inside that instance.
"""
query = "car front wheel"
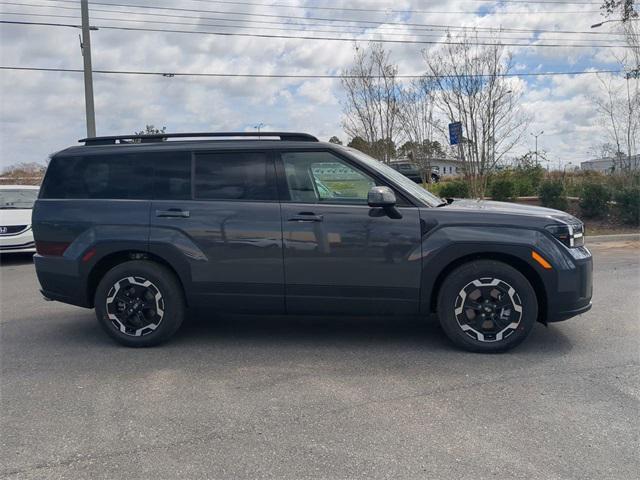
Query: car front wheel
(487, 306)
(139, 303)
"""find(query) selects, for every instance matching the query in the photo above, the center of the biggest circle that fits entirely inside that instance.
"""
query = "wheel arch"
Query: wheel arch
(522, 266)
(112, 259)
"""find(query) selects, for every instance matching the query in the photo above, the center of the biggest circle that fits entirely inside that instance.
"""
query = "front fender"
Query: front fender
(448, 246)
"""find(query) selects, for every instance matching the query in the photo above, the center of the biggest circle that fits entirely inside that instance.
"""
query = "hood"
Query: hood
(490, 206)
(17, 216)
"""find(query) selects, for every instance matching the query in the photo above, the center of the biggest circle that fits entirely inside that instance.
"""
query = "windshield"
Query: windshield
(18, 198)
(409, 185)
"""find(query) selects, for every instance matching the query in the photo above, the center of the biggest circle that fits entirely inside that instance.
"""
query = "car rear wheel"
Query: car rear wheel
(139, 303)
(487, 306)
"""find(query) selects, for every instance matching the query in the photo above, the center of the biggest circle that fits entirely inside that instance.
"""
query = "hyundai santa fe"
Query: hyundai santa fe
(142, 227)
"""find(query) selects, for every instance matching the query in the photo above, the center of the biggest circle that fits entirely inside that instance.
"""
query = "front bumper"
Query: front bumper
(19, 243)
(567, 314)
(574, 289)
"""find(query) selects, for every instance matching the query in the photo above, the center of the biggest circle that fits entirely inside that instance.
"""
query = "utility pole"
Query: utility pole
(88, 72)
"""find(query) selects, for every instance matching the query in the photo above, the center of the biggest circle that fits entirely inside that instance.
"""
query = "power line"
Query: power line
(560, 2)
(291, 17)
(282, 28)
(305, 37)
(543, 2)
(288, 23)
(372, 10)
(221, 19)
(296, 76)
(428, 27)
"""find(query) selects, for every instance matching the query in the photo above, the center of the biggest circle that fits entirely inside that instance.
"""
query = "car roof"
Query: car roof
(194, 145)
(20, 187)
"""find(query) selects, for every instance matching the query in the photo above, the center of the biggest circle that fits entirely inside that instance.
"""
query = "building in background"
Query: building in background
(447, 167)
(611, 164)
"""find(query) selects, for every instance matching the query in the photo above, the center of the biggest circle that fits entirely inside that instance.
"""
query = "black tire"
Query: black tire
(498, 326)
(165, 313)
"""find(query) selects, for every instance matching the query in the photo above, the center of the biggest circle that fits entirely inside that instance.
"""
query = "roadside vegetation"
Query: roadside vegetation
(606, 202)
(23, 174)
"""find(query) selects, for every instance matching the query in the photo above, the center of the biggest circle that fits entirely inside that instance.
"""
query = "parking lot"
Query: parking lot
(248, 397)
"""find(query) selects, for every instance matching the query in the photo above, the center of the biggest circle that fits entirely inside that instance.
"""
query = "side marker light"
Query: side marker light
(538, 258)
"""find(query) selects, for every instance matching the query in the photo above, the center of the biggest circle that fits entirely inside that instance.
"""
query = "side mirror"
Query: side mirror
(381, 197)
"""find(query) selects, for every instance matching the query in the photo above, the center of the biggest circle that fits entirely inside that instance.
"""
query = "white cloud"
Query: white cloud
(43, 112)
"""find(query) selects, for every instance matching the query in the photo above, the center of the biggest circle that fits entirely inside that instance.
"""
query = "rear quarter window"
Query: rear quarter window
(128, 176)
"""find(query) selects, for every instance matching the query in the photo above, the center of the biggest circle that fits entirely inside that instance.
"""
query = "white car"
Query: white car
(16, 204)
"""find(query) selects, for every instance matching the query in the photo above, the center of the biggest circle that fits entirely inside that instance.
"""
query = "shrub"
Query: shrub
(628, 204)
(503, 189)
(528, 177)
(594, 200)
(454, 189)
(524, 186)
(553, 195)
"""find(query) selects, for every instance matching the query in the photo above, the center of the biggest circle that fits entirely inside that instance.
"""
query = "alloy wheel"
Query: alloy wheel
(488, 309)
(135, 306)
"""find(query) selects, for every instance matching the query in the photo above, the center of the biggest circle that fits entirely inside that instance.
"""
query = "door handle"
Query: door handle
(173, 213)
(306, 217)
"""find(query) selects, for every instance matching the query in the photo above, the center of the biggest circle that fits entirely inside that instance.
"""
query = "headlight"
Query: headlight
(570, 235)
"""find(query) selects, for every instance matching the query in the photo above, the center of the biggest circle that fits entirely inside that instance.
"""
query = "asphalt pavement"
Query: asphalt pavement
(296, 398)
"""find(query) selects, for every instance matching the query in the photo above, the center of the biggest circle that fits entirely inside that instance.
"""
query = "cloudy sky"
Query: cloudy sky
(42, 112)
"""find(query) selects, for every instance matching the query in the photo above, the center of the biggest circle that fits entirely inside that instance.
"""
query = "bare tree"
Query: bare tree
(371, 105)
(624, 8)
(26, 173)
(619, 102)
(619, 108)
(417, 124)
(631, 59)
(631, 62)
(472, 89)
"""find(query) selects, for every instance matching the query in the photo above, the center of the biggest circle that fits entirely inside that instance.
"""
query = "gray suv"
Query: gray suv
(143, 227)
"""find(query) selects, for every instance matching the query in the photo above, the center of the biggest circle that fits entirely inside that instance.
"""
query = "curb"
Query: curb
(613, 238)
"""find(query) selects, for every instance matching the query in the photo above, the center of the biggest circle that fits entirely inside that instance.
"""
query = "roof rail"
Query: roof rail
(159, 137)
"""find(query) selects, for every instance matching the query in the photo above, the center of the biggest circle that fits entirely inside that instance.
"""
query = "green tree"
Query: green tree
(428, 148)
(335, 140)
(361, 144)
(151, 130)
(384, 149)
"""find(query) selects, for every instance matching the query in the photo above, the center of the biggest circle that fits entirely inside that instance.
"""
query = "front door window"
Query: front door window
(321, 177)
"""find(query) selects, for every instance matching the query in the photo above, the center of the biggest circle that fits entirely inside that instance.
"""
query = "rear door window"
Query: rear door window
(172, 176)
(235, 176)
